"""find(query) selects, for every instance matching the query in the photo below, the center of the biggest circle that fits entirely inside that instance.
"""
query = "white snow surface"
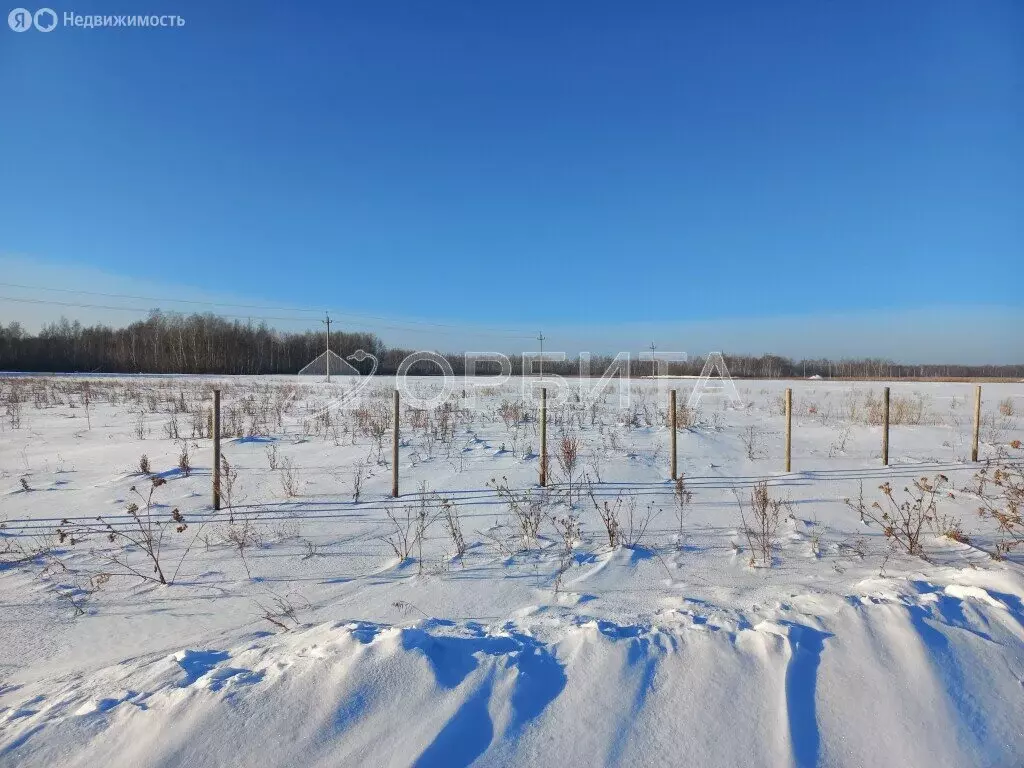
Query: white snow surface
(674, 651)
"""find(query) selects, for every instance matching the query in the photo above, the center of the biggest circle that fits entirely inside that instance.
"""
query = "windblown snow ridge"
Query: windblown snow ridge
(911, 674)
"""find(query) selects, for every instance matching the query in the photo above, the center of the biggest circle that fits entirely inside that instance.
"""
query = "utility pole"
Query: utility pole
(540, 338)
(327, 354)
(654, 362)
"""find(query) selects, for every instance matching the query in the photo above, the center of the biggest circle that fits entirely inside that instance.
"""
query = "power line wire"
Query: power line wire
(153, 298)
(356, 315)
(51, 302)
(365, 326)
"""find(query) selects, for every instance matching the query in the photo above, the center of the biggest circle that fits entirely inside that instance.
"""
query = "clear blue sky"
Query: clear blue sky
(530, 164)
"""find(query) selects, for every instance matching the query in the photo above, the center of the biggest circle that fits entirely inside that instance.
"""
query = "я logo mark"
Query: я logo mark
(22, 20)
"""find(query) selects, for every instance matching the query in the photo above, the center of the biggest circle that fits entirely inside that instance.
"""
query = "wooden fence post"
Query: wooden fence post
(885, 426)
(543, 437)
(789, 429)
(672, 427)
(394, 452)
(216, 449)
(977, 422)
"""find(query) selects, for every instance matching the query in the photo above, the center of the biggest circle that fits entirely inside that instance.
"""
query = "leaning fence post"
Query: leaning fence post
(885, 426)
(216, 449)
(394, 452)
(672, 428)
(977, 422)
(789, 429)
(543, 437)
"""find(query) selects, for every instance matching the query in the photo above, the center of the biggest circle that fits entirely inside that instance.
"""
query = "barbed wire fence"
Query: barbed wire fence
(459, 436)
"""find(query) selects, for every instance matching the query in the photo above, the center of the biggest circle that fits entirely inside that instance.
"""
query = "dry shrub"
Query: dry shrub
(144, 534)
(609, 514)
(569, 533)
(903, 522)
(779, 405)
(951, 528)
(568, 461)
(184, 460)
(1001, 492)
(452, 523)
(637, 522)
(289, 477)
(686, 417)
(762, 528)
(902, 409)
(226, 482)
(512, 412)
(402, 538)
(527, 508)
(682, 496)
(272, 456)
(751, 441)
(283, 609)
(243, 535)
(409, 528)
(360, 471)
(624, 525)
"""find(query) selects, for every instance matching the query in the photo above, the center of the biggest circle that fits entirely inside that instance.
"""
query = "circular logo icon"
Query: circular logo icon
(20, 19)
(45, 20)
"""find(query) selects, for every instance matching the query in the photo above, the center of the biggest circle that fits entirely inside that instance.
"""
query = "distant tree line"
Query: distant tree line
(170, 343)
(209, 344)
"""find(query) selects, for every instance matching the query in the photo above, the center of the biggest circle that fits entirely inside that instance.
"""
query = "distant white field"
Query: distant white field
(614, 617)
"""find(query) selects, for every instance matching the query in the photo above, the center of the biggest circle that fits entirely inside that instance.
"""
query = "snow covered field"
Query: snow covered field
(293, 633)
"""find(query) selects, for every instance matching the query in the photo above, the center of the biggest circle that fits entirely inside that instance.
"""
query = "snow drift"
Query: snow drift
(901, 674)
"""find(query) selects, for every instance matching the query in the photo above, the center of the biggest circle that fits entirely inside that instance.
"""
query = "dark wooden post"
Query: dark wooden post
(977, 422)
(216, 449)
(885, 426)
(789, 429)
(543, 437)
(394, 452)
(672, 427)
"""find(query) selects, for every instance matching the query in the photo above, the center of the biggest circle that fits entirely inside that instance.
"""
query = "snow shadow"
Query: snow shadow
(198, 663)
(539, 680)
(806, 646)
